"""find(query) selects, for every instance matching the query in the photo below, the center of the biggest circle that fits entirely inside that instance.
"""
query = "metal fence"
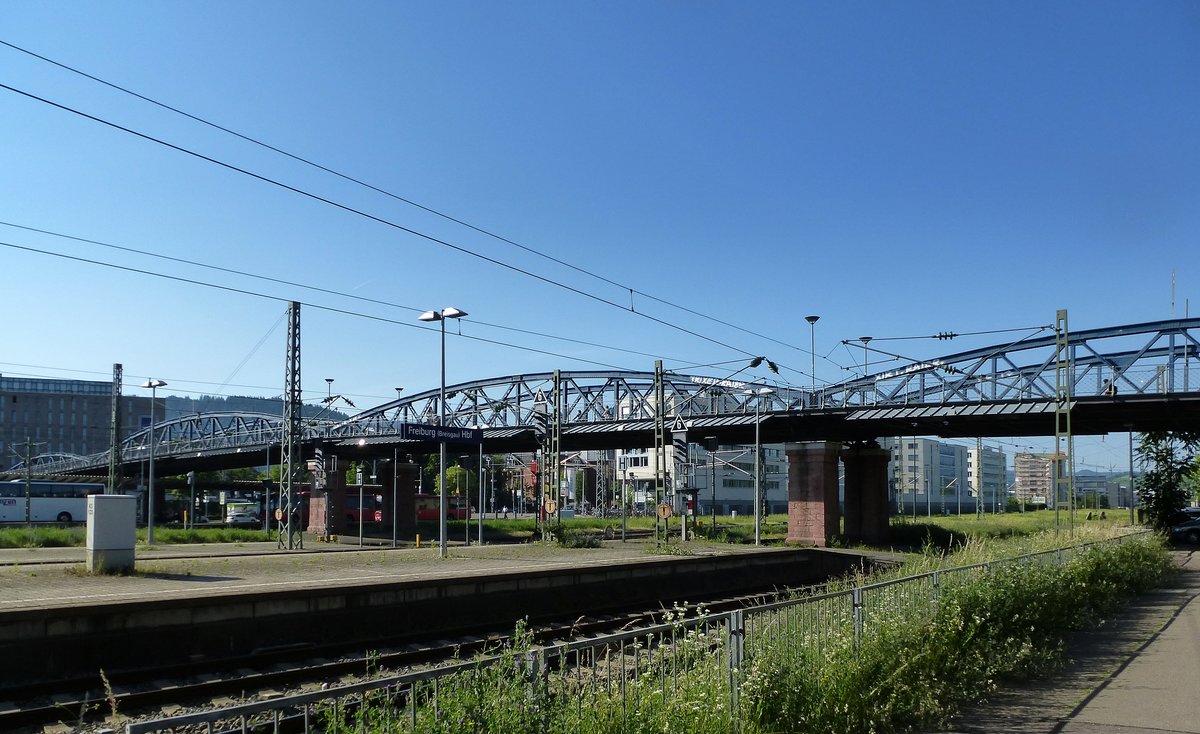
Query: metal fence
(640, 679)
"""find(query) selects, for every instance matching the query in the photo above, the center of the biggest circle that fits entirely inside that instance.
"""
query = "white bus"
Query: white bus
(48, 501)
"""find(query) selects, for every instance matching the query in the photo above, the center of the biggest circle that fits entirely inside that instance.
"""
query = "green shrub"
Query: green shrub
(577, 538)
(42, 537)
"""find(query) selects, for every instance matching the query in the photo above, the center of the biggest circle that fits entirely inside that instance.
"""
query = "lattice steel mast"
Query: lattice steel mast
(1064, 459)
(291, 536)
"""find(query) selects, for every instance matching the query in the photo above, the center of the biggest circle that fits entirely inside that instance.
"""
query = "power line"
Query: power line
(330, 309)
(374, 218)
(318, 289)
(947, 335)
(397, 197)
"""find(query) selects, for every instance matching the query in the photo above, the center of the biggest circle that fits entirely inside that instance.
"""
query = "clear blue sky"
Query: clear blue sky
(897, 168)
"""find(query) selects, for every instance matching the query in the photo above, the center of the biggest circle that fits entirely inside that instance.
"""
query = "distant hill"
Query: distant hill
(177, 407)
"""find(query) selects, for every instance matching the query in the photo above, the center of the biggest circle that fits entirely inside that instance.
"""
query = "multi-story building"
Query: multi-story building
(1096, 491)
(63, 416)
(926, 475)
(731, 467)
(1034, 475)
(985, 476)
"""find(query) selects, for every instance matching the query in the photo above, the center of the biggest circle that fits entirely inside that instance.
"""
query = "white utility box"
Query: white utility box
(111, 532)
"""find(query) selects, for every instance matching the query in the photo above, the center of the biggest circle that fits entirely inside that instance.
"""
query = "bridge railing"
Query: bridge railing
(692, 662)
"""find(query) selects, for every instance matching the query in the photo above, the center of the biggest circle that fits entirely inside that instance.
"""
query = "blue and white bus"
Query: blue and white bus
(48, 501)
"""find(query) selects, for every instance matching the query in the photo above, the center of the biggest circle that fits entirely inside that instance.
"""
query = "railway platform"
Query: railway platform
(50, 578)
(192, 604)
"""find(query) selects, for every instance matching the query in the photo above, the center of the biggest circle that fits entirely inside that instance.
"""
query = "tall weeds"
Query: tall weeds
(921, 648)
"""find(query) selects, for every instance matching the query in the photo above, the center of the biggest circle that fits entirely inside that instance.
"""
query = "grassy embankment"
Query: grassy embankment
(912, 667)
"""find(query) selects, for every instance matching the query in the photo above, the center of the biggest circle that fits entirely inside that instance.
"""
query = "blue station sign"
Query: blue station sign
(449, 434)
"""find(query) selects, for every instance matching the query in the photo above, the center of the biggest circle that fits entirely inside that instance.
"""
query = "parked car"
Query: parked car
(1188, 532)
(1183, 515)
(241, 520)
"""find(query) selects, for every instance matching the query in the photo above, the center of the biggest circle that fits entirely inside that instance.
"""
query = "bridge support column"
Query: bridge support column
(813, 515)
(402, 478)
(866, 503)
(335, 499)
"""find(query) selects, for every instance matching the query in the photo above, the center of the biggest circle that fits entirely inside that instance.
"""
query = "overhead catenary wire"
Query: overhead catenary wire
(381, 220)
(330, 309)
(397, 197)
(317, 289)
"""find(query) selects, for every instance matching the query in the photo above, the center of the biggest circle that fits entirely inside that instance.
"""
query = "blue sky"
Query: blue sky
(899, 169)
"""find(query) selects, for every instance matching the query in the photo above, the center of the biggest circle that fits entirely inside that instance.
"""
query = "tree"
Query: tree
(1170, 458)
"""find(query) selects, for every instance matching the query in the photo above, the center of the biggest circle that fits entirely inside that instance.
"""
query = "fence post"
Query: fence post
(857, 596)
(736, 651)
(937, 587)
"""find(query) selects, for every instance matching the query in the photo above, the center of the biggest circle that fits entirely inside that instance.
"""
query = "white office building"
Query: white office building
(927, 477)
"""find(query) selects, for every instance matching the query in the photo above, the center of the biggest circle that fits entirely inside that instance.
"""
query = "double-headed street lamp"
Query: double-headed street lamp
(446, 313)
(153, 385)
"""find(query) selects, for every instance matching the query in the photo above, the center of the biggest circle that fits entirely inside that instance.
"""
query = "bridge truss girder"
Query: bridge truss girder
(1157, 357)
(1134, 364)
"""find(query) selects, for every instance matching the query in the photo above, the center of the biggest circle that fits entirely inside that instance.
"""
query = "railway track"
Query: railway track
(83, 705)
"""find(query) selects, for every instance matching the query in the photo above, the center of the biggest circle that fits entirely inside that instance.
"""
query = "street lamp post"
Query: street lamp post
(711, 444)
(153, 385)
(479, 477)
(1132, 486)
(624, 499)
(759, 393)
(446, 313)
(812, 348)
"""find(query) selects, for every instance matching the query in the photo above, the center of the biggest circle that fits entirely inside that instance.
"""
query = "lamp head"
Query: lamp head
(152, 383)
(812, 319)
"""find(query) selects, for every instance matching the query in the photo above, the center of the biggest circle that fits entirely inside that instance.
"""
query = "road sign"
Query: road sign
(664, 511)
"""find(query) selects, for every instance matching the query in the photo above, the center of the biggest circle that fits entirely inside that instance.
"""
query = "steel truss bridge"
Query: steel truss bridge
(1139, 377)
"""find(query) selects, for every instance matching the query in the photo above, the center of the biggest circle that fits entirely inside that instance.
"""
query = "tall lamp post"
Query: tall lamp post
(446, 313)
(759, 393)
(812, 348)
(153, 385)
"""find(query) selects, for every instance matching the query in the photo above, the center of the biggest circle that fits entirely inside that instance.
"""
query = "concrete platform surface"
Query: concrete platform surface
(47, 578)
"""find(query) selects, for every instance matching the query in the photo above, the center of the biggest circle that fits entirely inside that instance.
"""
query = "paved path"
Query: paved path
(1137, 674)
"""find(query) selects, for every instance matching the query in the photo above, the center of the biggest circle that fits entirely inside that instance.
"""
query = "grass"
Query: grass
(76, 537)
(42, 537)
(943, 531)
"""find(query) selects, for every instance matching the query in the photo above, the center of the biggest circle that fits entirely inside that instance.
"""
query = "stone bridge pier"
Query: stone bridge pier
(814, 510)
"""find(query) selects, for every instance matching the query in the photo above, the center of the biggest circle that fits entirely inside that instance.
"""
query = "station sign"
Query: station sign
(449, 434)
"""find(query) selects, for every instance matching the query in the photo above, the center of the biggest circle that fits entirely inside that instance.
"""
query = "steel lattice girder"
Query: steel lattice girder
(1140, 360)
